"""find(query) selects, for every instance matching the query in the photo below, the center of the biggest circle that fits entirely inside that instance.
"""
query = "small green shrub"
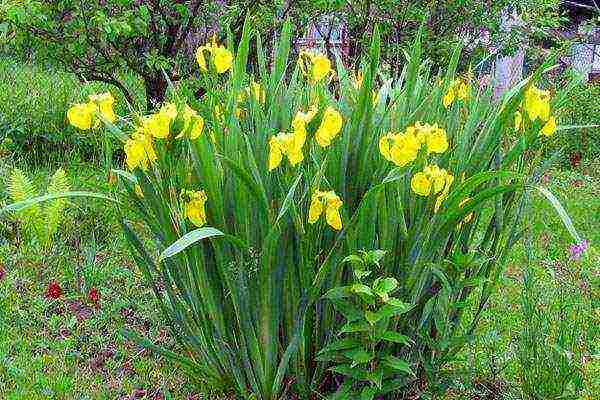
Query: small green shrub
(581, 108)
(362, 353)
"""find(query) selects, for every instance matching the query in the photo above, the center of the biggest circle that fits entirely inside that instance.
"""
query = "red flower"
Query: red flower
(94, 296)
(54, 291)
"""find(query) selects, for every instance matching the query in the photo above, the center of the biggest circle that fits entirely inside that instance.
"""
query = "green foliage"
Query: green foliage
(55, 208)
(562, 294)
(93, 348)
(364, 349)
(445, 23)
(100, 40)
(581, 108)
(248, 309)
(84, 353)
(21, 188)
(40, 223)
(147, 37)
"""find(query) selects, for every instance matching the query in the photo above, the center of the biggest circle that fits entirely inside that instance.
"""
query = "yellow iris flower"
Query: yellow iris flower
(432, 180)
(158, 124)
(221, 57)
(192, 124)
(403, 148)
(420, 184)
(437, 142)
(433, 136)
(537, 103)
(315, 66)
(449, 97)
(331, 125)
(81, 116)
(299, 123)
(459, 89)
(104, 103)
(437, 176)
(276, 151)
(195, 208)
(290, 144)
(85, 115)
(331, 203)
(399, 148)
(549, 127)
(139, 151)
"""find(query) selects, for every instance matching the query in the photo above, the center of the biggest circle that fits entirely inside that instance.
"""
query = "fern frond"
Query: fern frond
(55, 208)
(58, 183)
(20, 188)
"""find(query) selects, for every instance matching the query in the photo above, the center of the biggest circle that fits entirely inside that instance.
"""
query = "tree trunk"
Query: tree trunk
(156, 89)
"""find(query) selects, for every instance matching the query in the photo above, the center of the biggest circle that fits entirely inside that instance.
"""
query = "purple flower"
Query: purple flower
(576, 250)
(546, 179)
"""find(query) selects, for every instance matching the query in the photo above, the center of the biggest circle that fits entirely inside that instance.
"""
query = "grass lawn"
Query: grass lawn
(70, 348)
(493, 354)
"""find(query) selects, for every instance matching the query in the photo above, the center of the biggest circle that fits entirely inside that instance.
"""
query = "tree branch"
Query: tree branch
(183, 34)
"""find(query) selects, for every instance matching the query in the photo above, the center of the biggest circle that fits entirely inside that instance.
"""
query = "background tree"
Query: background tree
(476, 23)
(99, 39)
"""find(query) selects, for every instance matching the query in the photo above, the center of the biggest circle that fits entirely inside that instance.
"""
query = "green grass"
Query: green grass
(492, 356)
(67, 348)
(582, 108)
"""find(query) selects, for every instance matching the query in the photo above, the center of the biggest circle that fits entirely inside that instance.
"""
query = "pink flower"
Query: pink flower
(576, 250)
(546, 179)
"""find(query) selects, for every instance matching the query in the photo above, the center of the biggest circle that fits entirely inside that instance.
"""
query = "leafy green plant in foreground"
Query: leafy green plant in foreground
(362, 351)
(251, 197)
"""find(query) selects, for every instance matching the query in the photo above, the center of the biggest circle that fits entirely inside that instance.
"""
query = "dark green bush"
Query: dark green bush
(582, 108)
(33, 103)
